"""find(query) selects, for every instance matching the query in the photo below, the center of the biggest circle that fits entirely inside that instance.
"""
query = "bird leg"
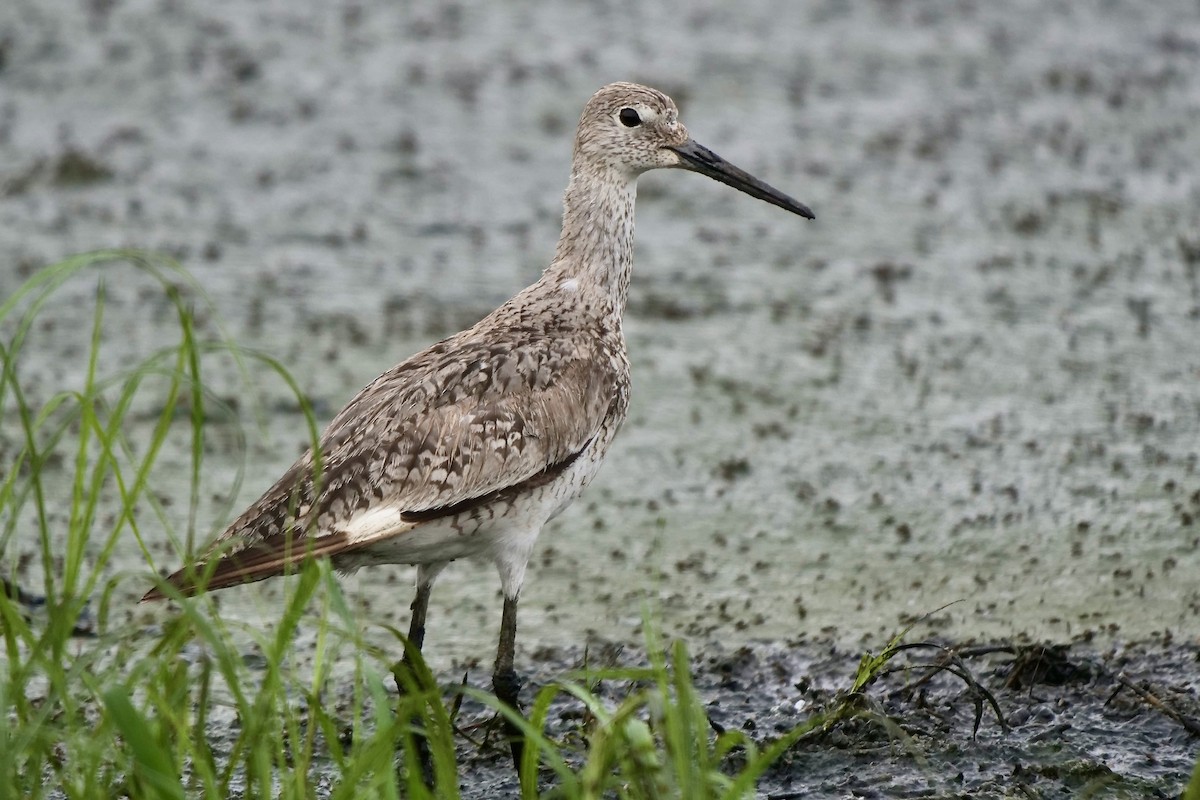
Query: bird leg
(505, 682)
(406, 678)
(402, 669)
(416, 625)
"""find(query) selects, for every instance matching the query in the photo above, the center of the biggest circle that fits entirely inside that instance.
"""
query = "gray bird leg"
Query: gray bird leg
(505, 682)
(416, 638)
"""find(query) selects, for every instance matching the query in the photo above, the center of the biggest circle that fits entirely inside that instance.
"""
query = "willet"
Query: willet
(471, 446)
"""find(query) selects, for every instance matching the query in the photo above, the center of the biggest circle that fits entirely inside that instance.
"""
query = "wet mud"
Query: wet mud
(978, 721)
(970, 385)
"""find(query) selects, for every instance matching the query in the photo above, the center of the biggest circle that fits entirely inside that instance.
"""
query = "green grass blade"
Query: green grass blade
(1192, 791)
(152, 763)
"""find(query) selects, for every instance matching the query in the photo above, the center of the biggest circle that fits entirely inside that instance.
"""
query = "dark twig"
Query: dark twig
(1153, 700)
(949, 661)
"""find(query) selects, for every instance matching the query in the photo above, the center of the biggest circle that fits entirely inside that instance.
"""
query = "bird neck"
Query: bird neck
(596, 245)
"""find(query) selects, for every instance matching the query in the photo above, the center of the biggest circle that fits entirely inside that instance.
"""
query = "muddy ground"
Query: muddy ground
(1073, 722)
(972, 379)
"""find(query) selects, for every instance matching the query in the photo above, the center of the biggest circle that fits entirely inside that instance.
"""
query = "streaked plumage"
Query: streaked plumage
(469, 447)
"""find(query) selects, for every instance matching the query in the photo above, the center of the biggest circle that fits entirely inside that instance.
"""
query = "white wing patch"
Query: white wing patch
(374, 524)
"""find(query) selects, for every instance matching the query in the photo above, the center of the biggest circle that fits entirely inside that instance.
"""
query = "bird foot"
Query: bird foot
(507, 686)
(407, 680)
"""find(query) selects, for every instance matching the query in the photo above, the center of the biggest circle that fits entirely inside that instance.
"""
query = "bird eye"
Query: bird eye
(629, 118)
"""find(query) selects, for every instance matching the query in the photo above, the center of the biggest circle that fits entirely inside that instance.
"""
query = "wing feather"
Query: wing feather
(457, 423)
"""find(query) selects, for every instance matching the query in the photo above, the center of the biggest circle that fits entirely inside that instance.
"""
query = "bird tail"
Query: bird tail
(255, 562)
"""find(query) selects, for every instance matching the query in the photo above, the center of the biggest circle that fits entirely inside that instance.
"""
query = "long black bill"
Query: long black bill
(699, 158)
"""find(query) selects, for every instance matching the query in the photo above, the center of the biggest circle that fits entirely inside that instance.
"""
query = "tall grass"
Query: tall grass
(125, 714)
(180, 711)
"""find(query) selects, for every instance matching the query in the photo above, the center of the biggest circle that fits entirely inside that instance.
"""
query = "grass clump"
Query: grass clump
(126, 713)
(657, 742)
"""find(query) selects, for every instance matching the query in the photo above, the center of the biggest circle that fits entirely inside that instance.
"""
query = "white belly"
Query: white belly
(503, 531)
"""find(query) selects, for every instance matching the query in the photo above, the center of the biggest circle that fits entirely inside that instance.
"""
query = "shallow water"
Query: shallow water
(970, 382)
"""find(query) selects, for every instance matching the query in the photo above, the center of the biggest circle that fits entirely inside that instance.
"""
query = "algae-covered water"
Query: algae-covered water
(972, 381)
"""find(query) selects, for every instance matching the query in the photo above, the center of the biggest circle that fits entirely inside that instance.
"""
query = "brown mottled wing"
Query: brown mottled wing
(252, 562)
(464, 419)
